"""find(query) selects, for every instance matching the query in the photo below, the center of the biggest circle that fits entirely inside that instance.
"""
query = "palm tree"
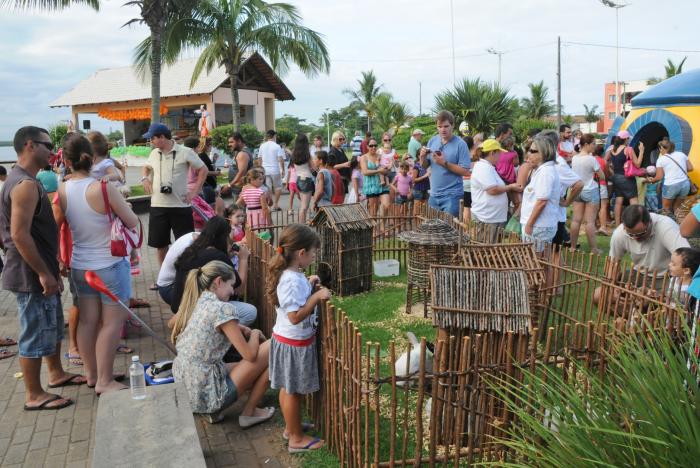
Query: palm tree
(673, 69)
(227, 31)
(538, 105)
(156, 14)
(389, 115)
(46, 5)
(482, 105)
(364, 96)
(591, 113)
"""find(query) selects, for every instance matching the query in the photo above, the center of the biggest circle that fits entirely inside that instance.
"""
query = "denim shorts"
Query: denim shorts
(673, 191)
(541, 236)
(231, 394)
(116, 277)
(446, 203)
(40, 324)
(306, 185)
(589, 196)
(401, 199)
(420, 194)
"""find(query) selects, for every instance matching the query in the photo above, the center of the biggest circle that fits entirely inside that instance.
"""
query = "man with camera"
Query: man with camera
(448, 157)
(165, 177)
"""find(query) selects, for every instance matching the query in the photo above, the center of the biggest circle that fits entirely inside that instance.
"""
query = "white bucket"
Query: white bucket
(384, 268)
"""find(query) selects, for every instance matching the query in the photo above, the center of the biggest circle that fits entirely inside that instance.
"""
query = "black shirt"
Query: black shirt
(210, 180)
(339, 157)
(205, 256)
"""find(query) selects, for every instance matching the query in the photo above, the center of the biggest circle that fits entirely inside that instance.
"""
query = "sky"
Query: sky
(405, 42)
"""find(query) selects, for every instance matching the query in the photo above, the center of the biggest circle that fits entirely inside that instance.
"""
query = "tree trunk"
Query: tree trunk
(369, 122)
(156, 54)
(235, 101)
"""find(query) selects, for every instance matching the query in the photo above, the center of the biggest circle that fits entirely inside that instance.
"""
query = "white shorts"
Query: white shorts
(273, 181)
(603, 192)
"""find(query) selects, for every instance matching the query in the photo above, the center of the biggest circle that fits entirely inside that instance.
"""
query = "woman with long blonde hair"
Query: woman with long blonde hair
(206, 327)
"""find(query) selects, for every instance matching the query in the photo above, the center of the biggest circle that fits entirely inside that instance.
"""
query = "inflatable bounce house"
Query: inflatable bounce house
(669, 109)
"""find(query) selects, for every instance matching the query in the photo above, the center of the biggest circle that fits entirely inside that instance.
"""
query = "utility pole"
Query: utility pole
(420, 98)
(454, 72)
(558, 81)
(617, 7)
(493, 51)
(328, 127)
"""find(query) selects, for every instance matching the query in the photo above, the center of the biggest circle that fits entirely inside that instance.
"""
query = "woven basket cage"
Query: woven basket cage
(420, 257)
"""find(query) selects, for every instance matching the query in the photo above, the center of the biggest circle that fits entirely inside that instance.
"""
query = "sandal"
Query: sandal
(7, 341)
(74, 359)
(124, 349)
(4, 354)
(44, 405)
(306, 427)
(137, 303)
(118, 377)
(70, 381)
(307, 447)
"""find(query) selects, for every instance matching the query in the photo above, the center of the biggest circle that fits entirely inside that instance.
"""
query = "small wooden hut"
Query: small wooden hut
(346, 247)
(435, 242)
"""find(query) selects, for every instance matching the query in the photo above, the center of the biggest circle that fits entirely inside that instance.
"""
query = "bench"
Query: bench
(158, 431)
(140, 203)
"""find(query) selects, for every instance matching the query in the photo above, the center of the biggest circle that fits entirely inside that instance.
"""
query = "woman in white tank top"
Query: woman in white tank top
(100, 318)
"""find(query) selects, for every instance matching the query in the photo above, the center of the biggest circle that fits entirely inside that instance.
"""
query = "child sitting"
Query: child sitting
(236, 218)
(256, 199)
(683, 265)
(293, 358)
(205, 329)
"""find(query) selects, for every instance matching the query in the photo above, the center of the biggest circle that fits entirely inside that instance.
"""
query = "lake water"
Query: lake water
(7, 154)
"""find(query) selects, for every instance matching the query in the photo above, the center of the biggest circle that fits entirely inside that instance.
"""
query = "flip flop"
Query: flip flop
(4, 354)
(136, 303)
(74, 359)
(43, 407)
(307, 447)
(153, 287)
(124, 349)
(306, 427)
(117, 378)
(7, 341)
(100, 393)
(70, 382)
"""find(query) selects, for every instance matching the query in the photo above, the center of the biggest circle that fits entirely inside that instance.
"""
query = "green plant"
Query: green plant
(285, 136)
(227, 32)
(251, 135)
(57, 133)
(522, 126)
(482, 105)
(368, 89)
(538, 105)
(645, 411)
(389, 115)
(591, 113)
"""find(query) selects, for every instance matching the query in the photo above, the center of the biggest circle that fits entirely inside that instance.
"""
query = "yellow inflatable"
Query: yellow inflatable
(669, 109)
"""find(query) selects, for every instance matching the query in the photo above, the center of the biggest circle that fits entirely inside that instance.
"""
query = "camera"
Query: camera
(235, 248)
(167, 189)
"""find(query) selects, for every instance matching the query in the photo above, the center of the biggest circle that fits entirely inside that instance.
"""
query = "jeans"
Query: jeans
(448, 204)
(116, 277)
(40, 324)
(541, 236)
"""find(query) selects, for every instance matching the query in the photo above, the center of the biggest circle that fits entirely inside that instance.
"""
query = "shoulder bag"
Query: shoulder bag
(693, 187)
(630, 169)
(123, 239)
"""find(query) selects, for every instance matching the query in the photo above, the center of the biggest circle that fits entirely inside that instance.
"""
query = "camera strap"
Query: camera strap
(172, 168)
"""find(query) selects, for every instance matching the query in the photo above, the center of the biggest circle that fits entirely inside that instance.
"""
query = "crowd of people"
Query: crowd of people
(204, 269)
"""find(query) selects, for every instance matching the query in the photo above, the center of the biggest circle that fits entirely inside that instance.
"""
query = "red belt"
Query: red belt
(291, 342)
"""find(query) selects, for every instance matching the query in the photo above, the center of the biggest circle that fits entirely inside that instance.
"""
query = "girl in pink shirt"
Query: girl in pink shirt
(402, 184)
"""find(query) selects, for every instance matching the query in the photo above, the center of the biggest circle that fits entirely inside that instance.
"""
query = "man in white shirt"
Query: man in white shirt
(565, 149)
(165, 177)
(272, 156)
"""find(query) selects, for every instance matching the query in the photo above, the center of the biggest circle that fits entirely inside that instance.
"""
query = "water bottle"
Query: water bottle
(138, 379)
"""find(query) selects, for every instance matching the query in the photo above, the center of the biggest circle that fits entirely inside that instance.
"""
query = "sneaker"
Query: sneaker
(250, 421)
(213, 418)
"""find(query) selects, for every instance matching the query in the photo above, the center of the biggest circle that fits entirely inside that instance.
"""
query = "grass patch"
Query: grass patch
(137, 190)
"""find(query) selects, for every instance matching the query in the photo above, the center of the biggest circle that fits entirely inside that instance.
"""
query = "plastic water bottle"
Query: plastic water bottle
(138, 379)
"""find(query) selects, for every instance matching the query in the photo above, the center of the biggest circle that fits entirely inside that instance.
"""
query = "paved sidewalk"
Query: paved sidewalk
(66, 437)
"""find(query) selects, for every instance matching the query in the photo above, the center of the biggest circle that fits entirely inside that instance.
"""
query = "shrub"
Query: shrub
(522, 126)
(251, 136)
(427, 124)
(285, 136)
(57, 133)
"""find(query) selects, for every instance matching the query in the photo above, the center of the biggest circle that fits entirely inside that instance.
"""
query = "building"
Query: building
(119, 94)
(628, 90)
(669, 109)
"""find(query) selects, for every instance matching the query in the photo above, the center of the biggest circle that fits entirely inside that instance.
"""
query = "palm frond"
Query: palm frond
(46, 5)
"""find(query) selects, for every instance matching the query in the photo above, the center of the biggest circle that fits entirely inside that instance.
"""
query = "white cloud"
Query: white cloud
(44, 55)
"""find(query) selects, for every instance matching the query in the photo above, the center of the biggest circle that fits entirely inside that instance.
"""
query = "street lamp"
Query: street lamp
(493, 51)
(617, 7)
(328, 127)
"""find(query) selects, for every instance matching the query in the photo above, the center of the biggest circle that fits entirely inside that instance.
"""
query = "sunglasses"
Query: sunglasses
(48, 146)
(638, 235)
(341, 139)
(386, 140)
(372, 146)
(533, 151)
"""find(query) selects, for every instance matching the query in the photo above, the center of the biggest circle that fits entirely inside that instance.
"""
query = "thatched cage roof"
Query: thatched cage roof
(342, 218)
(431, 232)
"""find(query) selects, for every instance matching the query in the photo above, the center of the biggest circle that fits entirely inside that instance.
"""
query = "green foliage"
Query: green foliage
(538, 105)
(140, 151)
(522, 126)
(250, 133)
(591, 113)
(364, 96)
(346, 119)
(46, 5)
(57, 133)
(482, 105)
(284, 135)
(389, 115)
(295, 124)
(219, 136)
(673, 69)
(644, 412)
(115, 136)
(425, 123)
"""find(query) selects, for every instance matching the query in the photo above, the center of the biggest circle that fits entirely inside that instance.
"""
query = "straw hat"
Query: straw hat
(431, 232)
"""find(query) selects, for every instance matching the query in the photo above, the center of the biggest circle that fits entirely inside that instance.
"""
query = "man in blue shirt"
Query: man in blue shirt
(449, 160)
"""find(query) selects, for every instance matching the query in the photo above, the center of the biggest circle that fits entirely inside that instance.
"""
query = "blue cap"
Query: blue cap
(156, 129)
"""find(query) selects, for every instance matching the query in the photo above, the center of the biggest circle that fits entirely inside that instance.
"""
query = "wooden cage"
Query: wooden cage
(346, 247)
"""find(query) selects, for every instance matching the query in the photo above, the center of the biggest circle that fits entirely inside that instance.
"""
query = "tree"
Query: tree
(673, 69)
(229, 31)
(294, 124)
(347, 119)
(538, 105)
(46, 5)
(482, 105)
(591, 113)
(364, 96)
(389, 114)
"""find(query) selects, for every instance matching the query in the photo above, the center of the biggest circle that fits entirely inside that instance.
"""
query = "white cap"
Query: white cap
(134, 359)
(418, 131)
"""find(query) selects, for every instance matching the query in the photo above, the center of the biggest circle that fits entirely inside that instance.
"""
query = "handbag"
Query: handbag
(630, 169)
(514, 225)
(122, 239)
(693, 187)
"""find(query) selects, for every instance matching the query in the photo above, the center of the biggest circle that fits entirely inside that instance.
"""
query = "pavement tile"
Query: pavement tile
(58, 445)
(40, 440)
(4, 443)
(35, 458)
(15, 454)
(55, 461)
(78, 451)
(22, 435)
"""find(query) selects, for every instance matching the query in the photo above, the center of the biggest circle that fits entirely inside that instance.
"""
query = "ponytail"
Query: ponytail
(294, 238)
(198, 280)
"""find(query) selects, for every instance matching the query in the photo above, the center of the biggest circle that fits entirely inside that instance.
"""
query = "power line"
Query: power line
(651, 49)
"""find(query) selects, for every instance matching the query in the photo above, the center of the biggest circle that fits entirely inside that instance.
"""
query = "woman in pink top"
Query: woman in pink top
(505, 167)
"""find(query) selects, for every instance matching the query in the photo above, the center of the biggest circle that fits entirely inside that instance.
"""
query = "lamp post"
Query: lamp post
(493, 51)
(617, 7)
(454, 69)
(328, 127)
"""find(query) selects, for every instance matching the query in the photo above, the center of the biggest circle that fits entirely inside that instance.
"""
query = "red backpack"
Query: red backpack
(338, 188)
